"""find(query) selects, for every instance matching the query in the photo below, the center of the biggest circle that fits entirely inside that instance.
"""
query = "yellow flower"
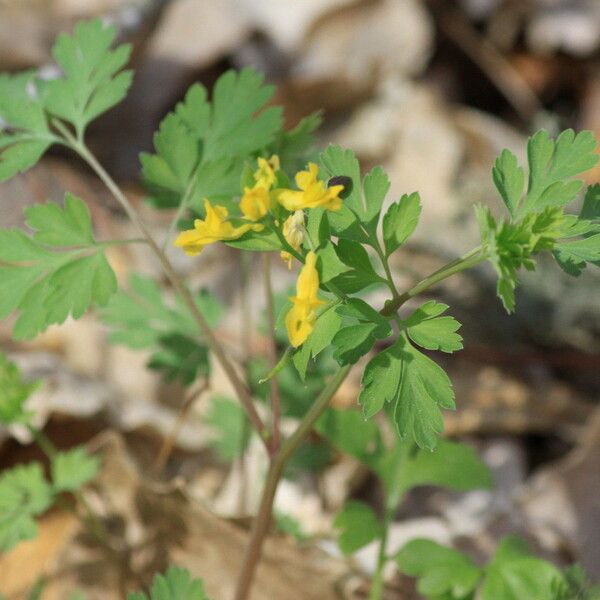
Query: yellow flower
(255, 202)
(293, 232)
(265, 175)
(312, 192)
(300, 319)
(214, 228)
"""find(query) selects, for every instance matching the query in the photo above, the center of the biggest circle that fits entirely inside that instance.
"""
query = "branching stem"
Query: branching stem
(242, 391)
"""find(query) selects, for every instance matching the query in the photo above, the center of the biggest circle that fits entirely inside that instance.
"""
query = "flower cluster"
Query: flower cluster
(262, 204)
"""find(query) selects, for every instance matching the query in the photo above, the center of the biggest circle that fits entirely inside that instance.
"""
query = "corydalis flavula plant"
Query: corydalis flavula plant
(232, 174)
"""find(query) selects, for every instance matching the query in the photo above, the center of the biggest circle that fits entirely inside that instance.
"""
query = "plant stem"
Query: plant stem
(278, 461)
(241, 390)
(393, 496)
(262, 521)
(378, 582)
(272, 342)
(183, 204)
(456, 266)
(386, 267)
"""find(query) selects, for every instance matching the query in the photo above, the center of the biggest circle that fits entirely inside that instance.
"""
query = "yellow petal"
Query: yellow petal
(190, 241)
(255, 203)
(299, 325)
(307, 285)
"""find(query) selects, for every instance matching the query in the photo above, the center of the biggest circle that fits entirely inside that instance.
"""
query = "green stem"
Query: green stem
(393, 497)
(242, 391)
(272, 343)
(386, 267)
(44, 442)
(279, 460)
(262, 521)
(456, 266)
(378, 582)
(183, 204)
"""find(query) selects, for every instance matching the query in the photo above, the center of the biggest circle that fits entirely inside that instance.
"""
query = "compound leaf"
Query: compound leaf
(24, 132)
(201, 146)
(451, 465)
(141, 318)
(442, 572)
(175, 584)
(58, 271)
(424, 389)
(24, 494)
(514, 573)
(358, 526)
(73, 468)
(93, 78)
(228, 420)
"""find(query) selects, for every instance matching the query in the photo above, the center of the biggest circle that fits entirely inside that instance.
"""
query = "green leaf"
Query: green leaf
(380, 380)
(141, 318)
(69, 225)
(360, 310)
(509, 179)
(59, 271)
(443, 573)
(573, 256)
(349, 432)
(360, 274)
(424, 389)
(73, 468)
(170, 169)
(553, 162)
(376, 185)
(356, 340)
(24, 132)
(257, 241)
(24, 494)
(201, 146)
(329, 264)
(400, 221)
(358, 526)
(180, 357)
(451, 465)
(289, 526)
(228, 420)
(430, 331)
(294, 146)
(93, 78)
(353, 342)
(590, 210)
(175, 584)
(14, 393)
(317, 227)
(513, 574)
